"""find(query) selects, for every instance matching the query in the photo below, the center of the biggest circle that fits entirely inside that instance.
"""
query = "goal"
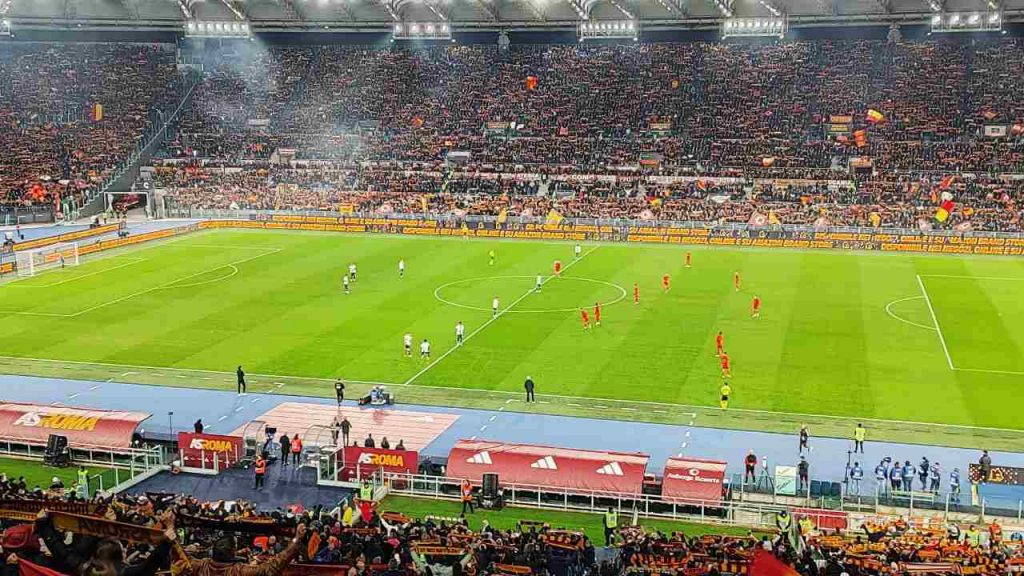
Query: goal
(32, 262)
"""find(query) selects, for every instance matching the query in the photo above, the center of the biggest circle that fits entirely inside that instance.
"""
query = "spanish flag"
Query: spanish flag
(874, 116)
(876, 219)
(502, 216)
(860, 138)
(554, 218)
(531, 82)
(425, 203)
(945, 209)
(96, 113)
(773, 220)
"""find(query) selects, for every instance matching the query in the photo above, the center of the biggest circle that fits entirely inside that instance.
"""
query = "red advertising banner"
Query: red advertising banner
(693, 479)
(826, 520)
(370, 459)
(200, 450)
(84, 428)
(599, 471)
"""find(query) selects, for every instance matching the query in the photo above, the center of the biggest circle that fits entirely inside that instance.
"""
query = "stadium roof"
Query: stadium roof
(338, 15)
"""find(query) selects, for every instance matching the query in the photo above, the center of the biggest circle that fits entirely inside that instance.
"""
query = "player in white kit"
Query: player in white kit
(407, 340)
(401, 268)
(494, 307)
(425, 349)
(460, 333)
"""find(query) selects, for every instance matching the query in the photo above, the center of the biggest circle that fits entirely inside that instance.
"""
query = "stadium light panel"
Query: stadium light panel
(754, 27)
(622, 29)
(422, 31)
(217, 29)
(967, 22)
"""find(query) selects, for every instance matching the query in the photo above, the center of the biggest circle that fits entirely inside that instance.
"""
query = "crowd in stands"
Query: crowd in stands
(983, 202)
(377, 125)
(54, 141)
(746, 130)
(140, 535)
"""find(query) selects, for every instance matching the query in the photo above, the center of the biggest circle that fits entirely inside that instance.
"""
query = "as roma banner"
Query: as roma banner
(693, 479)
(370, 459)
(27, 509)
(84, 428)
(200, 450)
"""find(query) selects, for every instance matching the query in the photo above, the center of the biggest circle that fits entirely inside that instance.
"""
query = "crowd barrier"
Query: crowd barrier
(693, 234)
(781, 237)
(67, 237)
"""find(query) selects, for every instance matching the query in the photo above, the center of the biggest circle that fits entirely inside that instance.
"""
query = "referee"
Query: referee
(339, 391)
(241, 380)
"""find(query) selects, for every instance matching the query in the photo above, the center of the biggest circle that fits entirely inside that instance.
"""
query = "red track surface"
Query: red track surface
(416, 429)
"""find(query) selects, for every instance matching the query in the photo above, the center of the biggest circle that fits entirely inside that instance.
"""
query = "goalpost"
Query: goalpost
(31, 262)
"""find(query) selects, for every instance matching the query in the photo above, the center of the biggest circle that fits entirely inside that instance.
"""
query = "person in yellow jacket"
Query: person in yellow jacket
(611, 522)
(859, 433)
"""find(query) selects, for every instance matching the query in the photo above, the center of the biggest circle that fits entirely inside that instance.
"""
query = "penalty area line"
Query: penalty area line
(172, 283)
(492, 319)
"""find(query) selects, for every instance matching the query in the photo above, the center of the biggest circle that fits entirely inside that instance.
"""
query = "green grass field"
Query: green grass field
(843, 336)
(590, 524)
(36, 474)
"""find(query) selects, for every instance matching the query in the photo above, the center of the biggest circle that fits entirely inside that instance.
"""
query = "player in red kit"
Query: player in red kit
(666, 282)
(636, 293)
(755, 308)
(687, 259)
(597, 313)
(558, 267)
(736, 280)
(725, 365)
(719, 344)
(586, 318)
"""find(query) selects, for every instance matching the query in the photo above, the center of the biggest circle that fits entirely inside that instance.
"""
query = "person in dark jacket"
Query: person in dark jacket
(241, 380)
(286, 448)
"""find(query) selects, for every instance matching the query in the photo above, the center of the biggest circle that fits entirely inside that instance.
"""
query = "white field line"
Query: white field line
(164, 286)
(973, 277)
(986, 371)
(671, 408)
(889, 311)
(494, 317)
(935, 319)
(172, 283)
(16, 283)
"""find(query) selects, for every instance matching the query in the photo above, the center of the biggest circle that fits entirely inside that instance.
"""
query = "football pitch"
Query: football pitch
(922, 348)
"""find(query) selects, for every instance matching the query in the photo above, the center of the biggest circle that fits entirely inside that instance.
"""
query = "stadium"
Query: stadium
(517, 287)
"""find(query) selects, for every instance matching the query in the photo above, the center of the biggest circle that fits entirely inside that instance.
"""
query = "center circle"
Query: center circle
(612, 294)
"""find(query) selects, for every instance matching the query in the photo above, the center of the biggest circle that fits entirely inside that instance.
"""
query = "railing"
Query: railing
(116, 465)
(587, 501)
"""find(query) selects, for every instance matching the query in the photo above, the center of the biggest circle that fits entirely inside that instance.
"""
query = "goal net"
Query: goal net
(32, 262)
